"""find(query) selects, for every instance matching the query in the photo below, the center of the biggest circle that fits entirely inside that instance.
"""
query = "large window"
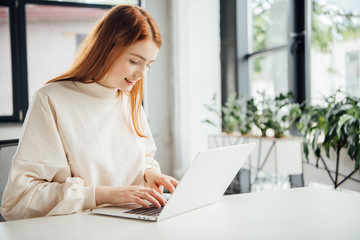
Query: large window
(39, 40)
(335, 47)
(309, 47)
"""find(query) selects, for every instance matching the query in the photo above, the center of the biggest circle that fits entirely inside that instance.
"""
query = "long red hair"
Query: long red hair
(121, 27)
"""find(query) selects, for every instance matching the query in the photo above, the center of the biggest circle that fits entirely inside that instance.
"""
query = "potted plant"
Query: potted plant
(243, 119)
(240, 115)
(335, 125)
(277, 114)
(234, 115)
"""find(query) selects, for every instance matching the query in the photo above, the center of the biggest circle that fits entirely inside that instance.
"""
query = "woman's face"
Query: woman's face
(131, 66)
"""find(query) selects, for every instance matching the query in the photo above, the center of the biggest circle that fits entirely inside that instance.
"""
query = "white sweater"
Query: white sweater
(76, 136)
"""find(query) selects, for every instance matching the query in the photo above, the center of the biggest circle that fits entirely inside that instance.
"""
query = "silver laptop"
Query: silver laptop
(205, 181)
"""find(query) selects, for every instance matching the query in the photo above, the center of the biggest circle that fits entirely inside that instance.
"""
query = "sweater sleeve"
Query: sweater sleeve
(150, 147)
(40, 181)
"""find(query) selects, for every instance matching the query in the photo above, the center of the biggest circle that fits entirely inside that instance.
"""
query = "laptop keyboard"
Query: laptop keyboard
(152, 211)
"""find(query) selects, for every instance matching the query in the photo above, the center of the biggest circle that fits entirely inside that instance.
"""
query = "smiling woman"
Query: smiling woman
(86, 141)
(131, 66)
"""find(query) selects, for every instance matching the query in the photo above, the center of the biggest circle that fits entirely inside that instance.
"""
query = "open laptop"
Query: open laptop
(204, 183)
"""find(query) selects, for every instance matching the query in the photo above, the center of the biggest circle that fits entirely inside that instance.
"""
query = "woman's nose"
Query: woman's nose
(141, 73)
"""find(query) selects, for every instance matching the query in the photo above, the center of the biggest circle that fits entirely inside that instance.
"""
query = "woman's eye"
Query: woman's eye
(134, 62)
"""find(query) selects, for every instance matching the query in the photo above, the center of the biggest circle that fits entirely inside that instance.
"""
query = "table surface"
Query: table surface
(302, 213)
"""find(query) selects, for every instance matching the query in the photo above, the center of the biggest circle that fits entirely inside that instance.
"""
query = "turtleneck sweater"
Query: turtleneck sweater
(75, 136)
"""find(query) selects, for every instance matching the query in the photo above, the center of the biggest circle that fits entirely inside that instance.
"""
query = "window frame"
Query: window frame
(297, 49)
(14, 53)
(17, 25)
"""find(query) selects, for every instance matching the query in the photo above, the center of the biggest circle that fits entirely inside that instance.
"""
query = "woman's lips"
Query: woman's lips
(130, 82)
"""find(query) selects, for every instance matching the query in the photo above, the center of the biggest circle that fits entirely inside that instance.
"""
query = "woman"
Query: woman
(85, 140)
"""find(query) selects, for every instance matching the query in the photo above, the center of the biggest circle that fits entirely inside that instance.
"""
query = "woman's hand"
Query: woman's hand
(137, 194)
(156, 180)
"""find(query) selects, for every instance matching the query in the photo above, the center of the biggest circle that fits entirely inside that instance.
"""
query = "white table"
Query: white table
(303, 213)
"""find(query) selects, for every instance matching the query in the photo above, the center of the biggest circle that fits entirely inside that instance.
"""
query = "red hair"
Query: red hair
(121, 27)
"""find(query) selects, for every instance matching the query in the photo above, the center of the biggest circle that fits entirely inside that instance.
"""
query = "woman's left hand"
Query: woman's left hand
(156, 180)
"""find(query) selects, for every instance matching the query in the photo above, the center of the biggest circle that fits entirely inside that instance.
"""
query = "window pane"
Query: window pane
(6, 102)
(335, 48)
(53, 36)
(269, 74)
(352, 72)
(269, 23)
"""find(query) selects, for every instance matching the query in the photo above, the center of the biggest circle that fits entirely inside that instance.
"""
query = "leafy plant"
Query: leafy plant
(285, 113)
(233, 114)
(268, 113)
(336, 125)
(311, 125)
(276, 113)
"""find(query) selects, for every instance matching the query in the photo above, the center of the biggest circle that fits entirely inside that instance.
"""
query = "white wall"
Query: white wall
(157, 96)
(184, 78)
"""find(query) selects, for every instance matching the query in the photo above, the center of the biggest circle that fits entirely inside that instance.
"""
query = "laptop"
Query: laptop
(203, 183)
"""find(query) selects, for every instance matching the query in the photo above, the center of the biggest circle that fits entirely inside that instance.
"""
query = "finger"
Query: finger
(155, 187)
(158, 196)
(174, 182)
(140, 201)
(158, 189)
(168, 185)
(150, 198)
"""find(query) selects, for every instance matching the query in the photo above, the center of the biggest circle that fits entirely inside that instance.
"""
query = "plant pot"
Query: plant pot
(277, 156)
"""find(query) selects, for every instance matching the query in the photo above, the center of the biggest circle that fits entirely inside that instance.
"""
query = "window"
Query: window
(269, 73)
(309, 47)
(53, 34)
(255, 58)
(335, 46)
(352, 65)
(268, 57)
(6, 96)
(39, 40)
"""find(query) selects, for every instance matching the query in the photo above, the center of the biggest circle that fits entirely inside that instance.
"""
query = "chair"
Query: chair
(7, 151)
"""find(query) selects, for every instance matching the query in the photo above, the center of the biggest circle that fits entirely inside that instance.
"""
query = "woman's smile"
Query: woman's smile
(131, 82)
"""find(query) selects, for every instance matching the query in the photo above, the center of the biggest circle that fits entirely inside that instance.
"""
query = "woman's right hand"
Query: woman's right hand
(137, 194)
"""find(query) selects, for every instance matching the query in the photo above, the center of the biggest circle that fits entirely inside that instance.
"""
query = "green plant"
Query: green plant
(335, 125)
(241, 115)
(233, 114)
(277, 113)
(285, 114)
(311, 125)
